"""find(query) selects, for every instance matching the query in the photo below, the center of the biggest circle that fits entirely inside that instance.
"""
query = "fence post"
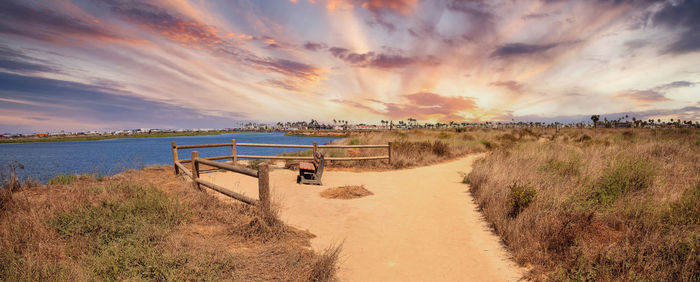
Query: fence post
(175, 160)
(264, 185)
(233, 151)
(315, 149)
(389, 152)
(195, 170)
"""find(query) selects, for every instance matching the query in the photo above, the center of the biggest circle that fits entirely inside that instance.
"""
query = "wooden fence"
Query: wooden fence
(263, 172)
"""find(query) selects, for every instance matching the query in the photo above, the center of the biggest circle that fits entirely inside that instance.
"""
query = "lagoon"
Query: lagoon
(42, 161)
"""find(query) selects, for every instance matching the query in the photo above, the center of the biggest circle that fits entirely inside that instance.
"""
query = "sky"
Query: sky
(112, 64)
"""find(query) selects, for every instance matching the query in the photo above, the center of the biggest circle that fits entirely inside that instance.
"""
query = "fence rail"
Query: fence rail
(234, 155)
(263, 172)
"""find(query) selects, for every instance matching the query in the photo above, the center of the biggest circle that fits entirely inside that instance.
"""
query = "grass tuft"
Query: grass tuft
(521, 196)
(326, 265)
(624, 176)
(63, 179)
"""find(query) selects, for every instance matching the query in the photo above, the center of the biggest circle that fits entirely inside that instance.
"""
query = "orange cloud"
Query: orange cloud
(398, 6)
(173, 26)
(422, 105)
(294, 69)
(643, 96)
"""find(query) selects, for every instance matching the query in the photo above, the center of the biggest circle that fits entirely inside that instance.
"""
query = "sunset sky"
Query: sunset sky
(110, 64)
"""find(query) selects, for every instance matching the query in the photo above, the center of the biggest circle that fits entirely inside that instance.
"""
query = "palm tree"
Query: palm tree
(595, 119)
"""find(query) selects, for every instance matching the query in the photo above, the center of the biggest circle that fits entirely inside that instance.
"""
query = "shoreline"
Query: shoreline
(105, 137)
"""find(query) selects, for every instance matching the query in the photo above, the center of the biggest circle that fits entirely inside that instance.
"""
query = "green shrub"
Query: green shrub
(507, 138)
(63, 179)
(468, 137)
(123, 234)
(562, 168)
(624, 176)
(685, 210)
(521, 196)
(628, 135)
(254, 164)
(444, 135)
(440, 148)
(355, 141)
(584, 138)
(487, 144)
(528, 132)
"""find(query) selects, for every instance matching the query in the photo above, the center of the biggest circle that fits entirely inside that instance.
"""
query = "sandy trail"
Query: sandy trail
(420, 224)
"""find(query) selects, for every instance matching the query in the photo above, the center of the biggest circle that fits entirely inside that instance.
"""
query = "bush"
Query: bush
(5, 199)
(507, 138)
(584, 138)
(63, 179)
(562, 168)
(624, 176)
(441, 148)
(444, 135)
(685, 210)
(521, 196)
(628, 135)
(11, 181)
(468, 137)
(254, 164)
(487, 144)
(123, 233)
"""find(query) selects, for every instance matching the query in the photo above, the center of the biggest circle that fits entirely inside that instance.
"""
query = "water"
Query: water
(42, 161)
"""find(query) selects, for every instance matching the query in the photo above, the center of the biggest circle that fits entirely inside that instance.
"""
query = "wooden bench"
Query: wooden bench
(311, 173)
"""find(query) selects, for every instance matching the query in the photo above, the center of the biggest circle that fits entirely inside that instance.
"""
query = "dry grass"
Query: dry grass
(346, 192)
(147, 225)
(413, 148)
(597, 204)
(325, 266)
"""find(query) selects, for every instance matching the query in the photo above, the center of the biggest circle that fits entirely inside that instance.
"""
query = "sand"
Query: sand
(421, 224)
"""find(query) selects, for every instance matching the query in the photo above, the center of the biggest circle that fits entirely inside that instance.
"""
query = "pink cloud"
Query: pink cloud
(422, 105)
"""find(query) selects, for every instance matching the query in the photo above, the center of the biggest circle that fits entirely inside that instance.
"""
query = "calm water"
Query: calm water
(108, 157)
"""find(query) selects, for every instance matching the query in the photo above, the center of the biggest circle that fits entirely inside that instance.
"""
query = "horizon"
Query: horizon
(75, 65)
(603, 120)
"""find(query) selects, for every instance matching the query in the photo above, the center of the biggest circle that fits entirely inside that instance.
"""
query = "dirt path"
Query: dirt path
(420, 224)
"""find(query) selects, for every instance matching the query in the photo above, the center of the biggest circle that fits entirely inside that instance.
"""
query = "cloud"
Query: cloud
(519, 49)
(536, 16)
(421, 105)
(397, 6)
(315, 46)
(47, 24)
(174, 26)
(375, 6)
(91, 104)
(289, 68)
(18, 61)
(379, 9)
(656, 94)
(675, 84)
(179, 28)
(481, 20)
(281, 84)
(643, 96)
(510, 85)
(379, 60)
(684, 16)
